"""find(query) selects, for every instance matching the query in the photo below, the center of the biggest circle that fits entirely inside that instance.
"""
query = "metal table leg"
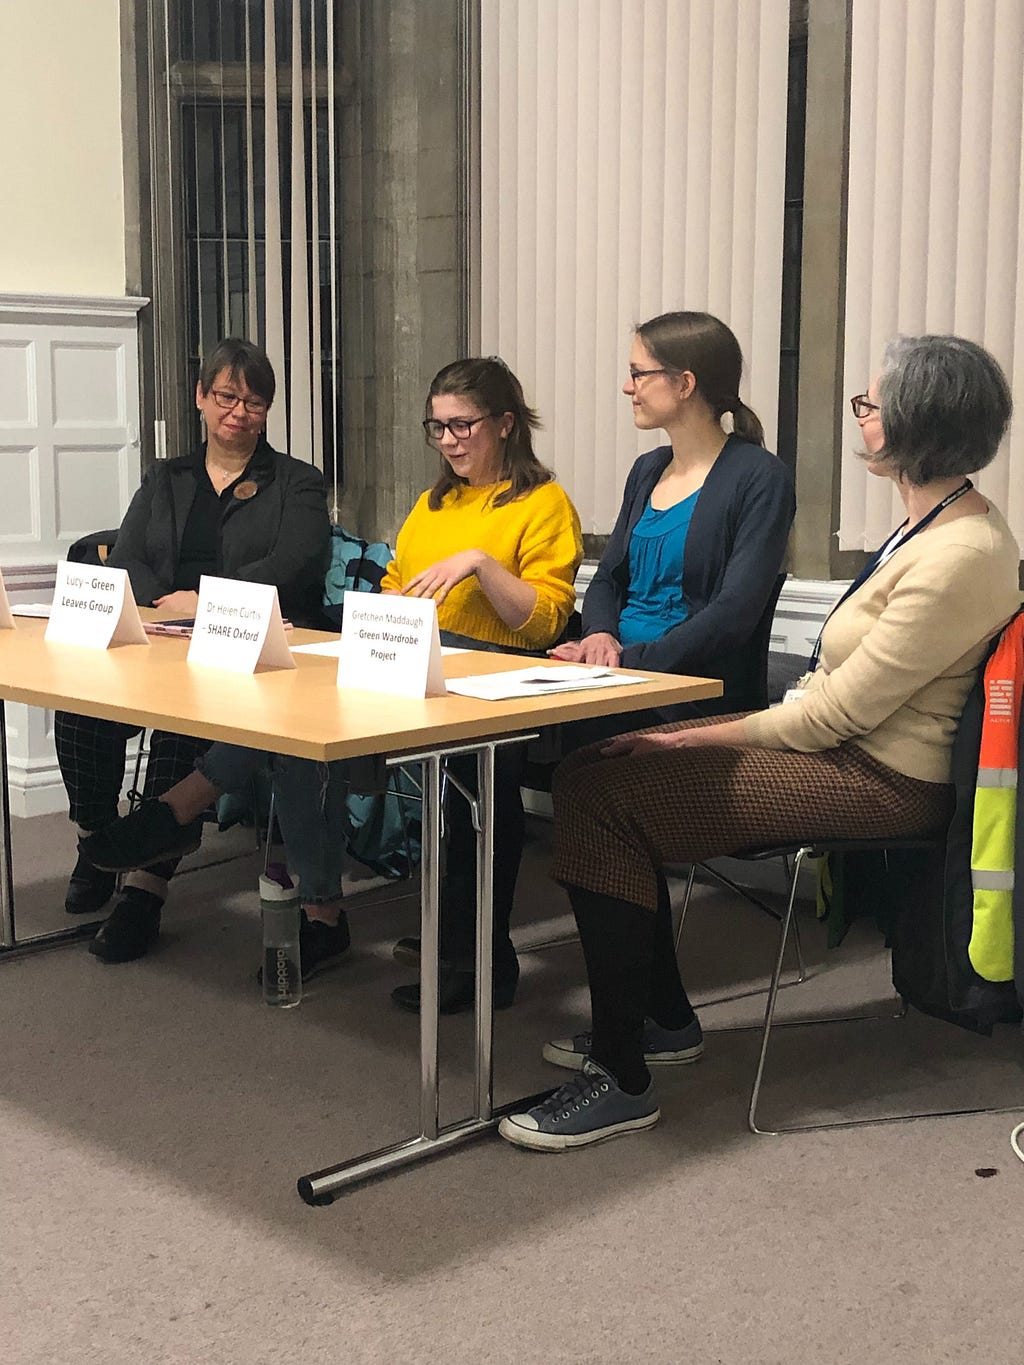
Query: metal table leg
(10, 945)
(322, 1187)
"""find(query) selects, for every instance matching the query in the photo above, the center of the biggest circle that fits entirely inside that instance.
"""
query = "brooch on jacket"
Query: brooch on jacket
(246, 489)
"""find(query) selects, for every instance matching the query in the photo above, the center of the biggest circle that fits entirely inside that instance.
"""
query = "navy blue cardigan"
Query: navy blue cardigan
(732, 559)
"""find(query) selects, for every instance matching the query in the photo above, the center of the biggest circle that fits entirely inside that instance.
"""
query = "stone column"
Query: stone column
(402, 290)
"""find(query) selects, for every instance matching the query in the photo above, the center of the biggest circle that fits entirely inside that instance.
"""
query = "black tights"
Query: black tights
(633, 974)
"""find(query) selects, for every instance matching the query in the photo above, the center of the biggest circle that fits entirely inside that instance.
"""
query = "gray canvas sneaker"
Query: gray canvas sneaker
(587, 1109)
(662, 1046)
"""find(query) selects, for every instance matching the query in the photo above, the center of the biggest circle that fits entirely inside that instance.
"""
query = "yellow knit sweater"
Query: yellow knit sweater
(536, 537)
(900, 655)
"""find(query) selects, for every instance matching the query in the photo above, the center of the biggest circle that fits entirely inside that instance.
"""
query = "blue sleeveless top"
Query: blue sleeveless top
(655, 602)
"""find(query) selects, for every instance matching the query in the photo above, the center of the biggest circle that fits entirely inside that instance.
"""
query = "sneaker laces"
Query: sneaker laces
(584, 1088)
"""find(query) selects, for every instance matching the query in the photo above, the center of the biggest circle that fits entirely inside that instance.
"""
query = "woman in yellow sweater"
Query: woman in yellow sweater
(861, 751)
(496, 542)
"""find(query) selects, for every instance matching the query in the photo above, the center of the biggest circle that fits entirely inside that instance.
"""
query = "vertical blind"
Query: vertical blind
(255, 88)
(632, 162)
(936, 217)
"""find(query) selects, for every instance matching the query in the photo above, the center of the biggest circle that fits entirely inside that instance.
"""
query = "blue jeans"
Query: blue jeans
(311, 806)
(312, 810)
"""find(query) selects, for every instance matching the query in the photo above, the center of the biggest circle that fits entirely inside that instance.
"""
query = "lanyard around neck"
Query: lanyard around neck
(882, 556)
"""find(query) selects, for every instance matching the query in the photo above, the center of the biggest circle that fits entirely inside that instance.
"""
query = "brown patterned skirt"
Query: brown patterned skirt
(618, 821)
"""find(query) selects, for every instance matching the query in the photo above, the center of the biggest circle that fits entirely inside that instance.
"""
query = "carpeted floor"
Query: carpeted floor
(154, 1118)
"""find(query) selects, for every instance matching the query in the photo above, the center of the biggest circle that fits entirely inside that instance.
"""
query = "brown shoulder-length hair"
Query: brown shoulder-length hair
(707, 348)
(492, 387)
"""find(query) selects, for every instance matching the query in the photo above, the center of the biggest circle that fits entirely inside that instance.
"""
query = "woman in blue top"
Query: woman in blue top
(693, 560)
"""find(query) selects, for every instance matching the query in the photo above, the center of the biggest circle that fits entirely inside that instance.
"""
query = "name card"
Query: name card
(6, 618)
(390, 644)
(94, 607)
(238, 627)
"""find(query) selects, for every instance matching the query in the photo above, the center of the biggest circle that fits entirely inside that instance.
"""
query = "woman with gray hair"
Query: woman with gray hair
(859, 750)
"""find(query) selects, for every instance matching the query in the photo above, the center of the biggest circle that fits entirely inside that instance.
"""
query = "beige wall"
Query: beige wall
(62, 224)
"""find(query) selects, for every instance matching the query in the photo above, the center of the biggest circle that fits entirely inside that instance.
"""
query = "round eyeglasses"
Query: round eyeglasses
(862, 406)
(461, 428)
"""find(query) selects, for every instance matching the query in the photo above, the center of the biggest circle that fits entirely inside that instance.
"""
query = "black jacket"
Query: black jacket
(933, 905)
(281, 535)
(731, 563)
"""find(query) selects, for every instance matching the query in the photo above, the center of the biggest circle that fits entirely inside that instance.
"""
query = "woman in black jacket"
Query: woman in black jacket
(693, 560)
(236, 508)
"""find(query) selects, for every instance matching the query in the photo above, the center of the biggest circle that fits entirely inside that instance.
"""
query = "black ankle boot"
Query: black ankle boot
(131, 928)
(89, 889)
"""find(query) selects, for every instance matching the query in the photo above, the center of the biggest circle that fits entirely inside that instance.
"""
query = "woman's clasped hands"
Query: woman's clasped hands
(600, 648)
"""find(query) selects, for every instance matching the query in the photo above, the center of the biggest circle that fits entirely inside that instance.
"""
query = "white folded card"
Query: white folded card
(390, 644)
(238, 627)
(539, 682)
(93, 607)
(6, 619)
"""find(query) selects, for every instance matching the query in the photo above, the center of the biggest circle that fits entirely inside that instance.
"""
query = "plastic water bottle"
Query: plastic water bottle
(282, 965)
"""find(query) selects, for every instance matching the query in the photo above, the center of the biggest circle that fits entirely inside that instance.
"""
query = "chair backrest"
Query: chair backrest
(93, 548)
(755, 681)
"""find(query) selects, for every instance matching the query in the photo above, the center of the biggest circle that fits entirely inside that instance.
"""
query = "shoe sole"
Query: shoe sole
(165, 856)
(565, 1142)
(573, 1061)
(407, 956)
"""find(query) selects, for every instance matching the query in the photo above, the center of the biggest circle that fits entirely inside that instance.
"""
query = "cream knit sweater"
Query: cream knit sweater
(900, 655)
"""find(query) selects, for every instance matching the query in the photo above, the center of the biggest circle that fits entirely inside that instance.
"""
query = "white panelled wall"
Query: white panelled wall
(632, 163)
(936, 215)
(69, 464)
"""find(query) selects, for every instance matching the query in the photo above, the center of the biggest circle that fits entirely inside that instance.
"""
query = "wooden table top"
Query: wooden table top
(300, 711)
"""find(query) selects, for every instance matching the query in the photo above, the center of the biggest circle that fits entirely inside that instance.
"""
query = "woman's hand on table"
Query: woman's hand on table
(181, 603)
(438, 581)
(601, 649)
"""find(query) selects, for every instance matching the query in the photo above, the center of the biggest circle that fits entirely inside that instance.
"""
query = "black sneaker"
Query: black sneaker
(89, 889)
(148, 834)
(456, 992)
(131, 928)
(321, 946)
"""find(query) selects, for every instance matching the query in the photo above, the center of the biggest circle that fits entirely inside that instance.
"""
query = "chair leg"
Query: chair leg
(773, 993)
(686, 904)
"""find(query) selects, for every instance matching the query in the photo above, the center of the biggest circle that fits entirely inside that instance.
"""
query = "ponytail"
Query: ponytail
(746, 423)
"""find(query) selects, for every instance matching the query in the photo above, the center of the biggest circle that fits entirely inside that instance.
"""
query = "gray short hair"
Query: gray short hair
(945, 406)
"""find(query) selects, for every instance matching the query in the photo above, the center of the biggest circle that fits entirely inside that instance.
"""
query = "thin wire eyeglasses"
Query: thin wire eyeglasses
(461, 428)
(255, 407)
(862, 406)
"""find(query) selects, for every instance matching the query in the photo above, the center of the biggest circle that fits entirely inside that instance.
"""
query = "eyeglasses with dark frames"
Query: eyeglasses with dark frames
(255, 407)
(461, 428)
(642, 374)
(862, 406)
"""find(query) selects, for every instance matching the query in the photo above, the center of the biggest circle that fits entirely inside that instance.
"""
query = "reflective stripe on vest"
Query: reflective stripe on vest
(995, 810)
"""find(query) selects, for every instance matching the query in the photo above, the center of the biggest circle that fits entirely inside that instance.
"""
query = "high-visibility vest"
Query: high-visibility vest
(995, 809)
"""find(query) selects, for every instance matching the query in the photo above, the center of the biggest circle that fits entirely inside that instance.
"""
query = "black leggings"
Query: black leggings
(633, 973)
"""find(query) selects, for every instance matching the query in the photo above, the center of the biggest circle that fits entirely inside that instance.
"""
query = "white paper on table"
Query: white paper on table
(539, 682)
(39, 609)
(330, 648)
